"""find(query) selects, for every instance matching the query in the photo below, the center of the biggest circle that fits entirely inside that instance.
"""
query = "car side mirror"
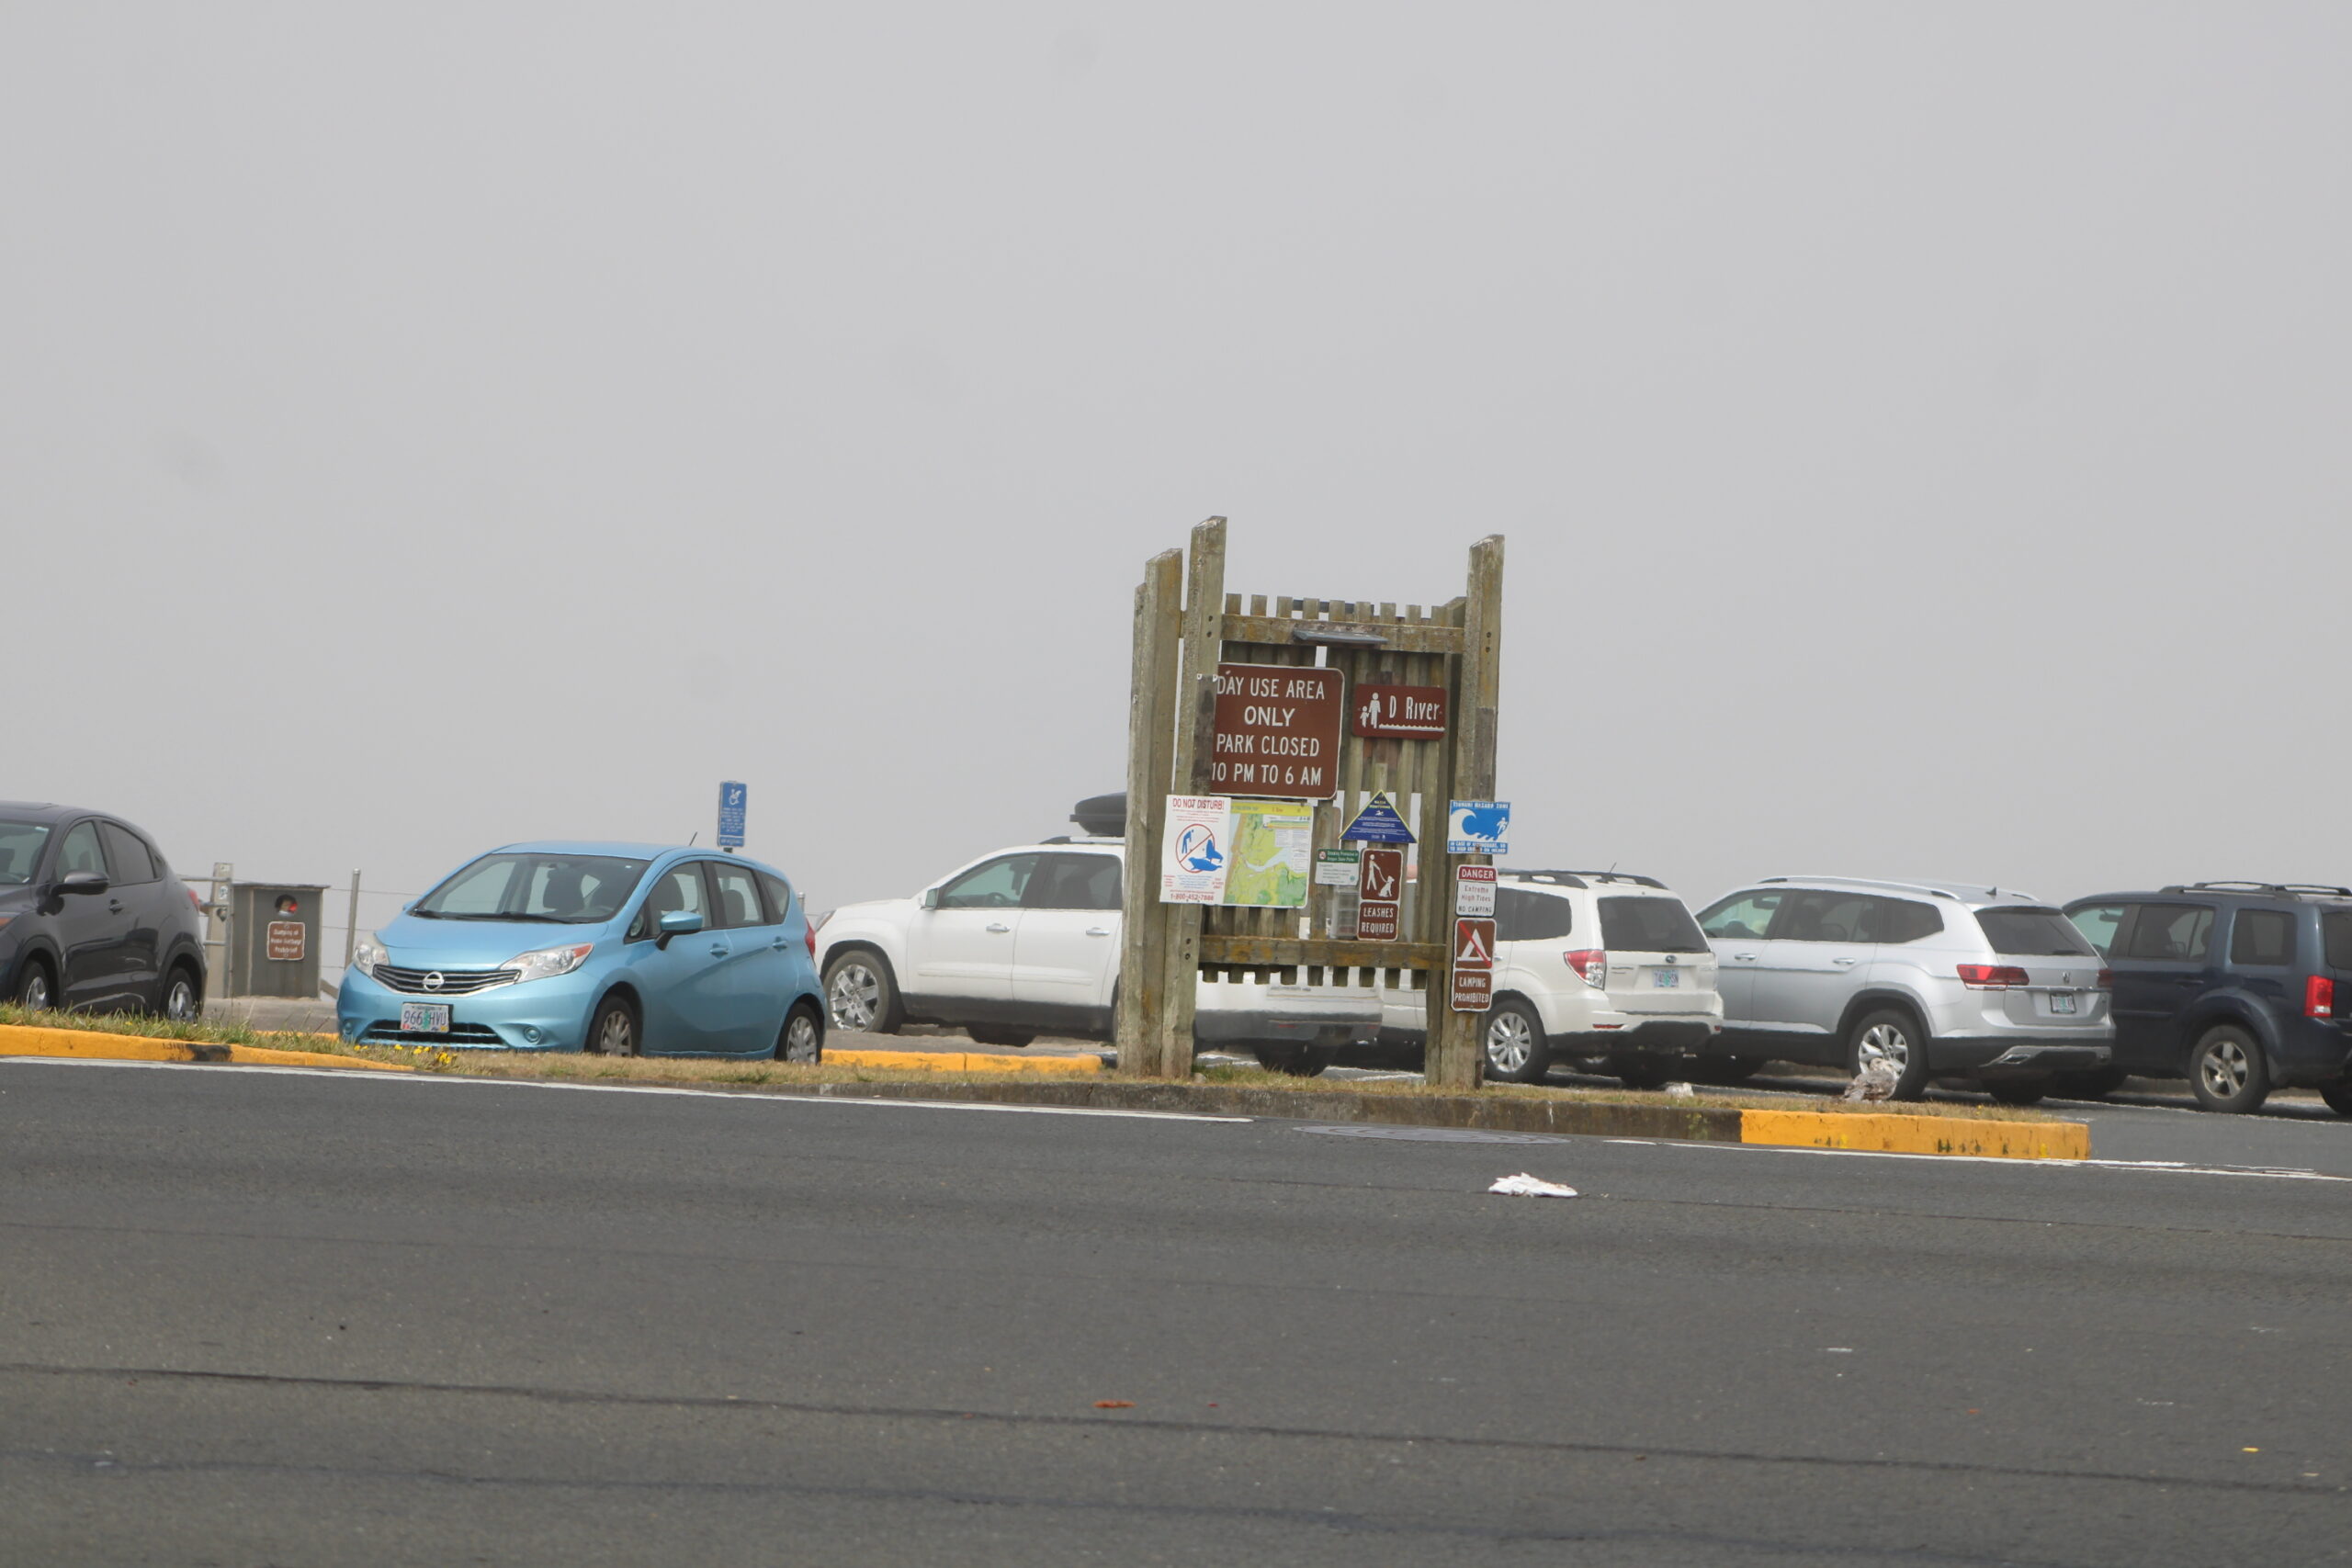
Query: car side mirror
(930, 898)
(677, 922)
(81, 882)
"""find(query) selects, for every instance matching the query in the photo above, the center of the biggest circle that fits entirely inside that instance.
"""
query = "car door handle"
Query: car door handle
(718, 950)
(998, 927)
(114, 906)
(1098, 931)
(1841, 962)
(1742, 958)
(780, 943)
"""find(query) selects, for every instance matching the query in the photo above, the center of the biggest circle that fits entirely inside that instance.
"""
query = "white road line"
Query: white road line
(2158, 1167)
(350, 1075)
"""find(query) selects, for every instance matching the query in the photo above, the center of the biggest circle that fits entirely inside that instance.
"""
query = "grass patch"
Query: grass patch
(1703, 1099)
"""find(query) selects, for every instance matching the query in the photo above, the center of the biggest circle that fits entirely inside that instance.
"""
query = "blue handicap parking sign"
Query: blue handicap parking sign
(730, 815)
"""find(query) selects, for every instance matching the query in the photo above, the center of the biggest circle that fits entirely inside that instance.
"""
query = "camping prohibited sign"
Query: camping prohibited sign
(1473, 965)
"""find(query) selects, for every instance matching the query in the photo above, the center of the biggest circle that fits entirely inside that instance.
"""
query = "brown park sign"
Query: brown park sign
(1401, 713)
(1277, 731)
(283, 942)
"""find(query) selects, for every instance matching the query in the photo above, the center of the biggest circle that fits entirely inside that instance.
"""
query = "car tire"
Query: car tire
(1512, 1039)
(2338, 1097)
(2096, 1084)
(2019, 1091)
(36, 987)
(802, 1038)
(1297, 1061)
(862, 995)
(614, 1030)
(996, 1035)
(182, 997)
(1895, 1034)
(2226, 1071)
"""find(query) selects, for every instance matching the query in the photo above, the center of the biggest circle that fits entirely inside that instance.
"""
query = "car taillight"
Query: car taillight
(2106, 981)
(811, 935)
(1591, 966)
(193, 901)
(1992, 977)
(2319, 997)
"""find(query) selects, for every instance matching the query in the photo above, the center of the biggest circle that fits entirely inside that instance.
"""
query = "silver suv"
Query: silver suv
(1939, 980)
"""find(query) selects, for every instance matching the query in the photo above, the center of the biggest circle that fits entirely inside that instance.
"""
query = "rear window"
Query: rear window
(2265, 937)
(2033, 933)
(1532, 917)
(1649, 925)
(2338, 928)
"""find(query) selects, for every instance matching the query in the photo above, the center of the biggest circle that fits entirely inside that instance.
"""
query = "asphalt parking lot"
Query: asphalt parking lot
(261, 1316)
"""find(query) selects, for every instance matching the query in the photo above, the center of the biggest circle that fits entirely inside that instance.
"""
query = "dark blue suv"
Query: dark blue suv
(2239, 988)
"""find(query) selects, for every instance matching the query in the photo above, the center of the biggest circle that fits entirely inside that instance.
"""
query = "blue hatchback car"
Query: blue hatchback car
(623, 949)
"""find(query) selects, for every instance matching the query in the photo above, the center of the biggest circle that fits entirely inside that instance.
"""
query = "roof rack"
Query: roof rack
(1926, 887)
(2275, 889)
(1585, 878)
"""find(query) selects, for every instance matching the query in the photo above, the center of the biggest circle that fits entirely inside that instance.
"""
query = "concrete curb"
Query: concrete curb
(967, 1061)
(1892, 1133)
(30, 1040)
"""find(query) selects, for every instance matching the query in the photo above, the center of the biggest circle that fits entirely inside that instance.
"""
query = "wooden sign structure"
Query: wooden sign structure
(1187, 625)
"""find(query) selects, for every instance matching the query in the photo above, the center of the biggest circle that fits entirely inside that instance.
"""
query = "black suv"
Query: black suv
(2239, 988)
(91, 917)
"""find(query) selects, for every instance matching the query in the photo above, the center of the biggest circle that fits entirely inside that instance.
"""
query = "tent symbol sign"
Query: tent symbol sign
(1474, 944)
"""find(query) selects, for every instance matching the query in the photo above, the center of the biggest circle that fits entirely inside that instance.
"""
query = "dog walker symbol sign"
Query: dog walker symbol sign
(1478, 827)
(731, 816)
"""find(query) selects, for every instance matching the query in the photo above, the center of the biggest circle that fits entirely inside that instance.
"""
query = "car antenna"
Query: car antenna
(691, 836)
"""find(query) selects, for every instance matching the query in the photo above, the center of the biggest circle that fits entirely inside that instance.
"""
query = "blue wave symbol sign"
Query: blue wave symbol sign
(1477, 826)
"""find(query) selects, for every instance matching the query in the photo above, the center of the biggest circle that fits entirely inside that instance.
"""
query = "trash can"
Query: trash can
(274, 938)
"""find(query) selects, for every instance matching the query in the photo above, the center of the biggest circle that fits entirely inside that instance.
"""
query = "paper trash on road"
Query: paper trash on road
(1526, 1186)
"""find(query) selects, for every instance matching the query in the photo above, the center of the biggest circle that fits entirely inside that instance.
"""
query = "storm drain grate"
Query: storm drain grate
(1436, 1134)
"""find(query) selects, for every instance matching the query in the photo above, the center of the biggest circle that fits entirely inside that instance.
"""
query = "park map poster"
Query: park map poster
(1217, 850)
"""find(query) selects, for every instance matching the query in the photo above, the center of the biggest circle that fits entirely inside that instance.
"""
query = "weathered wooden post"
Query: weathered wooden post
(1184, 631)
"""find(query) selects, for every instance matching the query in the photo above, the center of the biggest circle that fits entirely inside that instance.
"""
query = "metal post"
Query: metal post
(351, 924)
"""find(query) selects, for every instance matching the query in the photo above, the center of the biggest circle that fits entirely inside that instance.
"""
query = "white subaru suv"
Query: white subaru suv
(1026, 942)
(1600, 970)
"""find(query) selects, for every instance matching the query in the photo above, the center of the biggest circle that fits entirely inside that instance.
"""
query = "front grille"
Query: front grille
(476, 1034)
(454, 982)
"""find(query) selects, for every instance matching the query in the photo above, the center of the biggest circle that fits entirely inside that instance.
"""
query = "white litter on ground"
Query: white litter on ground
(1526, 1186)
(1679, 1091)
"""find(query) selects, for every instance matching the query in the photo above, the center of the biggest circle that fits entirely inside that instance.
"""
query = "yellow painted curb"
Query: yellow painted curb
(30, 1040)
(967, 1061)
(1895, 1134)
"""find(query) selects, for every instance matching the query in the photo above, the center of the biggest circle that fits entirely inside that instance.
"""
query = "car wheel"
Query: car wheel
(2019, 1091)
(2338, 1097)
(1897, 1039)
(181, 1001)
(2226, 1070)
(36, 991)
(862, 996)
(1513, 1038)
(613, 1031)
(994, 1035)
(1298, 1061)
(803, 1037)
(2093, 1085)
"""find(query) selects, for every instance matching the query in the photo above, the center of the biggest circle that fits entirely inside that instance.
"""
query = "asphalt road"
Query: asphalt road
(254, 1317)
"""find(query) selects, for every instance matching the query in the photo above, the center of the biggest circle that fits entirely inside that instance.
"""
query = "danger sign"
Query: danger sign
(1474, 944)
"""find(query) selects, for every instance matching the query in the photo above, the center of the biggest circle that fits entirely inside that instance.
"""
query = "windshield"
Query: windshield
(566, 891)
(1648, 925)
(21, 845)
(2033, 933)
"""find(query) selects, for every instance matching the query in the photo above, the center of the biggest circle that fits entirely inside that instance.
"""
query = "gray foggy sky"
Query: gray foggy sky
(1920, 430)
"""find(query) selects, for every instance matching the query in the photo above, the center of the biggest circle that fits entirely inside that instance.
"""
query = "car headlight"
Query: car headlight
(367, 955)
(545, 962)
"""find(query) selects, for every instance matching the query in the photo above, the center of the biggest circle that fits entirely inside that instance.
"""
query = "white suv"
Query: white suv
(1026, 942)
(1600, 970)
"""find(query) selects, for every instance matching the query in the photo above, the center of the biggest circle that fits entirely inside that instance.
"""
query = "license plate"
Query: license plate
(425, 1018)
(2061, 1002)
(1666, 979)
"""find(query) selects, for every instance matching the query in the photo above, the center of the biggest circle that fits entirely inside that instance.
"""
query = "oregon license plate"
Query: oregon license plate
(1666, 979)
(425, 1018)
(2061, 1002)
